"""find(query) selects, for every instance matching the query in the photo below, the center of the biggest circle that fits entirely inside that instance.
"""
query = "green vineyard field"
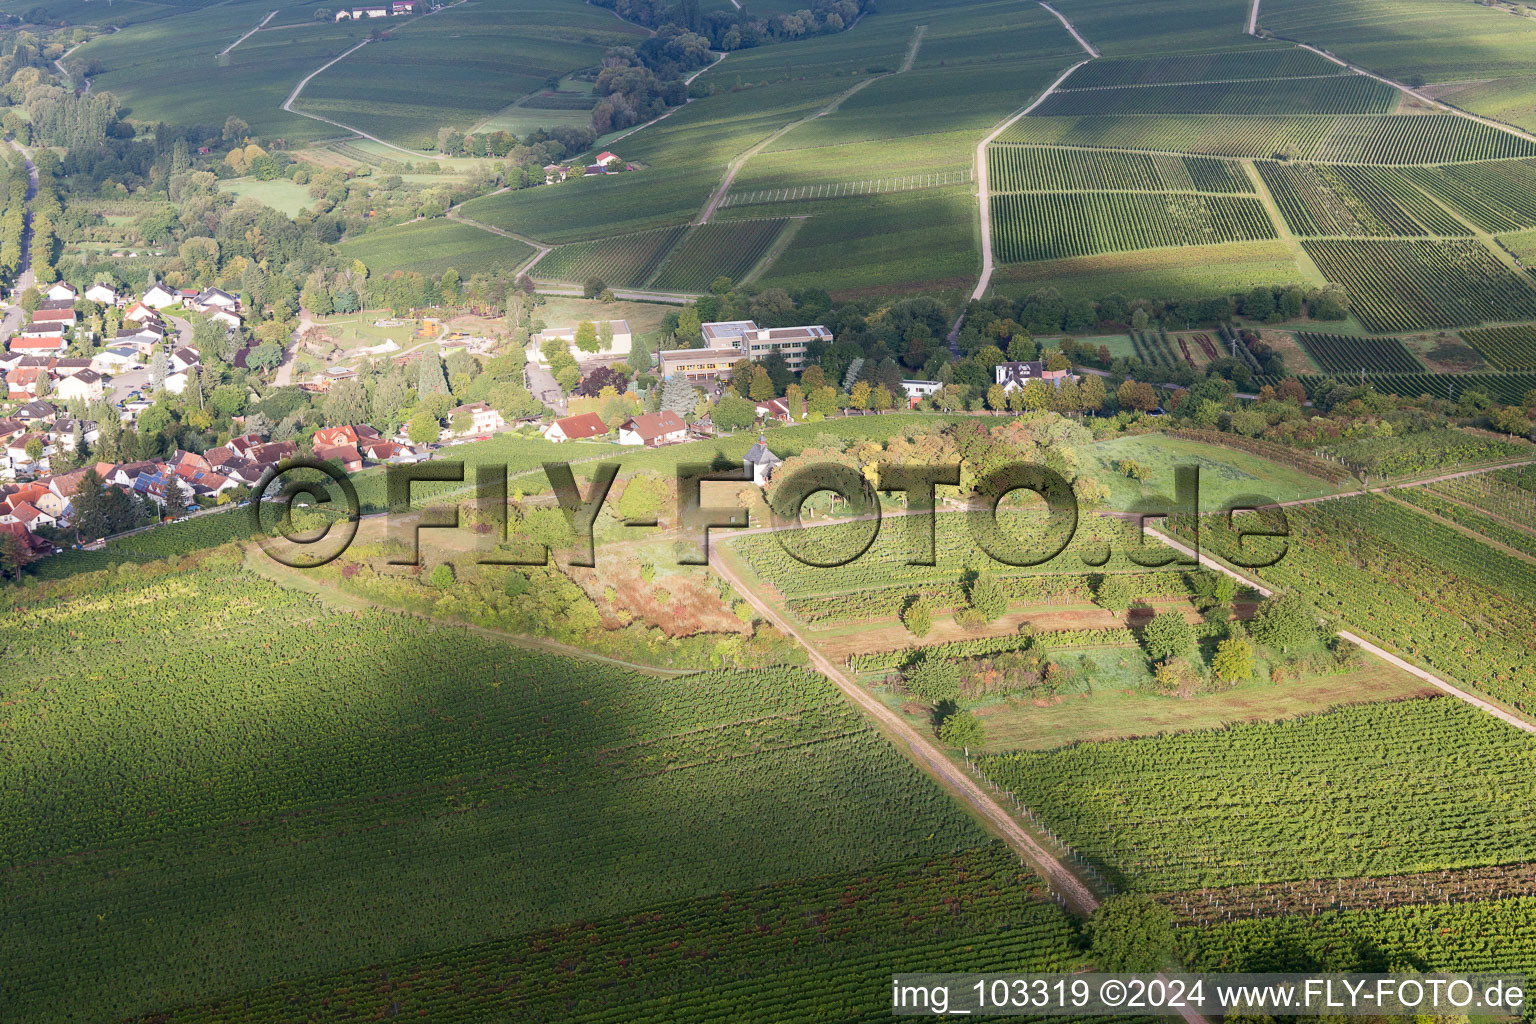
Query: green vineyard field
(1345, 354)
(1278, 62)
(1508, 348)
(1499, 196)
(1411, 285)
(1042, 225)
(1506, 388)
(1360, 790)
(625, 261)
(1333, 94)
(1319, 199)
(1382, 139)
(728, 248)
(1039, 169)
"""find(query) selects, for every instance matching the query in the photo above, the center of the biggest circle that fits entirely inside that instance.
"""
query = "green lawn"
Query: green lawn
(281, 194)
(1225, 473)
(1173, 273)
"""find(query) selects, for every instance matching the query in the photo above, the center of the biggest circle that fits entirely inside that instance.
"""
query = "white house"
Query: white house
(653, 429)
(85, 386)
(159, 296)
(1016, 375)
(620, 347)
(104, 294)
(483, 419)
(115, 360)
(61, 291)
(921, 388)
(225, 317)
(140, 313)
(214, 298)
(582, 427)
(184, 359)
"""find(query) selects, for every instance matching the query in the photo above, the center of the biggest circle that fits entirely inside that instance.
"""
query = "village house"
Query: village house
(780, 409)
(582, 427)
(68, 367)
(483, 419)
(159, 296)
(35, 414)
(21, 383)
(183, 359)
(115, 360)
(228, 318)
(354, 434)
(555, 172)
(103, 294)
(85, 386)
(39, 344)
(653, 429)
(210, 299)
(60, 291)
(1016, 375)
(350, 458)
(139, 313)
(204, 483)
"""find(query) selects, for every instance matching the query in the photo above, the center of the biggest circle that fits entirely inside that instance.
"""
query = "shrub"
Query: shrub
(932, 679)
(1234, 660)
(1167, 636)
(1113, 593)
(963, 729)
(442, 577)
(987, 597)
(917, 617)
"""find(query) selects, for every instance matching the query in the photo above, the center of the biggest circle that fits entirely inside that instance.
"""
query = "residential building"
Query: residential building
(226, 317)
(39, 344)
(115, 360)
(34, 414)
(184, 359)
(350, 458)
(1016, 375)
(140, 313)
(210, 299)
(104, 294)
(87, 385)
(159, 296)
(68, 367)
(653, 429)
(582, 427)
(61, 291)
(606, 158)
(483, 419)
(354, 434)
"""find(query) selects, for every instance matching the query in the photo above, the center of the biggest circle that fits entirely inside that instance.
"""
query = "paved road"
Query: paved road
(1253, 19)
(1085, 44)
(26, 279)
(248, 35)
(288, 103)
(983, 186)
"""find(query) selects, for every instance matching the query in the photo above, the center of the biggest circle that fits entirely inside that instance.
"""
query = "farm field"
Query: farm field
(148, 68)
(433, 246)
(1318, 199)
(1041, 225)
(1361, 790)
(460, 65)
(284, 821)
(1329, 94)
(1494, 196)
(729, 248)
(1414, 586)
(1039, 169)
(1405, 285)
(1337, 353)
(1193, 272)
(1383, 139)
(1501, 387)
(627, 261)
(1508, 348)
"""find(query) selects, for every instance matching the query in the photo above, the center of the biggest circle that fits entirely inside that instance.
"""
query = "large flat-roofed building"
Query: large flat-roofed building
(699, 365)
(758, 342)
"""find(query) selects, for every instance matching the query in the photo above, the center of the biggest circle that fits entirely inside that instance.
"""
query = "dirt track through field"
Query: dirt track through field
(1360, 642)
(741, 161)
